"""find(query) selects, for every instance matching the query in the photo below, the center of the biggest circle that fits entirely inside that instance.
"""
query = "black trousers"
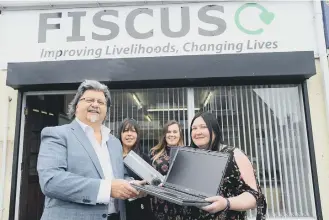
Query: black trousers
(115, 216)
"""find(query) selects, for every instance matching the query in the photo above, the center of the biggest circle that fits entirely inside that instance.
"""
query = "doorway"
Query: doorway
(40, 111)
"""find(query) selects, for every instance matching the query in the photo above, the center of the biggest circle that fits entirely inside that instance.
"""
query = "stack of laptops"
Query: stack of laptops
(194, 175)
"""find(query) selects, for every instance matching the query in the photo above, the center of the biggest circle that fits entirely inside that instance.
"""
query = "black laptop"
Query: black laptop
(173, 151)
(194, 175)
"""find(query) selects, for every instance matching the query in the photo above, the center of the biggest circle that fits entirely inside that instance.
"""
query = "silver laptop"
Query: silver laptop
(141, 168)
(194, 175)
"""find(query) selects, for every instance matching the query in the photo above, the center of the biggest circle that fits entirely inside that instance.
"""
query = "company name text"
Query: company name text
(105, 25)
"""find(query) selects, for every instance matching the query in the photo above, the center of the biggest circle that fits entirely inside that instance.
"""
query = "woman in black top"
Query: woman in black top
(129, 132)
(239, 191)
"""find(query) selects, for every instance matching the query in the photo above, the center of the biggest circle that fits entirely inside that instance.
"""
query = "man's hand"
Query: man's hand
(121, 189)
(139, 183)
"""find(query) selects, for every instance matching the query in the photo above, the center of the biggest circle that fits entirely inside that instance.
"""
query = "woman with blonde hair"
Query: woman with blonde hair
(172, 136)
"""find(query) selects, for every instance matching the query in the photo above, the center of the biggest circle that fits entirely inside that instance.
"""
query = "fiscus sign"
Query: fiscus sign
(164, 30)
(107, 19)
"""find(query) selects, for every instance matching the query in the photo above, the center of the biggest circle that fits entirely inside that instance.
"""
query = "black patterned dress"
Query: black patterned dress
(233, 185)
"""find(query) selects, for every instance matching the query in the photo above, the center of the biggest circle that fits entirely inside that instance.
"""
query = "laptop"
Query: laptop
(144, 170)
(173, 151)
(194, 175)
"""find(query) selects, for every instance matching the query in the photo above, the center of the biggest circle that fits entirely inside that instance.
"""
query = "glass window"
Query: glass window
(268, 124)
(151, 108)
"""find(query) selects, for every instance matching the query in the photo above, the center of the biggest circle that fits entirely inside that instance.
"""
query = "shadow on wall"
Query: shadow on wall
(7, 183)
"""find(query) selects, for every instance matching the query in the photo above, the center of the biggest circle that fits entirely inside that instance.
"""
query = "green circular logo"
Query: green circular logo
(265, 16)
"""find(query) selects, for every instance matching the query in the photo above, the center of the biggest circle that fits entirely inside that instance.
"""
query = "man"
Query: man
(80, 165)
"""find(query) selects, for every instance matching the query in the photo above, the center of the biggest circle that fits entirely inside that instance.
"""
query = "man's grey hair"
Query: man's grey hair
(84, 86)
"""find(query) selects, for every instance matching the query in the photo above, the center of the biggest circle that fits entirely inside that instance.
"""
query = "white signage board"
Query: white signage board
(156, 30)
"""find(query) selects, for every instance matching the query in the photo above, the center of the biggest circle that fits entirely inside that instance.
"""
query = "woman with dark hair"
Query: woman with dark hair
(239, 191)
(129, 136)
(172, 136)
(129, 133)
(211, 124)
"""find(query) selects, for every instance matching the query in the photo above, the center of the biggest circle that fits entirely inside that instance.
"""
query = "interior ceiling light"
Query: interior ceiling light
(168, 109)
(207, 99)
(148, 118)
(138, 102)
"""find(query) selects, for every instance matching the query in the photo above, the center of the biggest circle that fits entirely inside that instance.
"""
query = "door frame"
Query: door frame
(21, 141)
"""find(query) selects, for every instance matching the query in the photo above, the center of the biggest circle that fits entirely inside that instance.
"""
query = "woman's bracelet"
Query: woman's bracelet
(228, 205)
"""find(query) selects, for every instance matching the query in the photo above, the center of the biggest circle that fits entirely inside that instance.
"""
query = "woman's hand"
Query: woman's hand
(219, 203)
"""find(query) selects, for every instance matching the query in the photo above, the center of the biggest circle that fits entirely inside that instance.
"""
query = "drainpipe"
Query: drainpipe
(4, 154)
(324, 68)
(322, 50)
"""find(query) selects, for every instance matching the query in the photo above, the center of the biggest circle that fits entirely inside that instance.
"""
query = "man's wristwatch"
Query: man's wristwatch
(228, 205)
